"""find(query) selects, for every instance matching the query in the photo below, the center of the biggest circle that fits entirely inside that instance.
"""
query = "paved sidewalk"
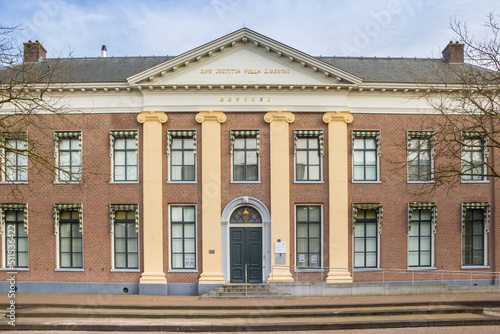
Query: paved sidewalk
(186, 301)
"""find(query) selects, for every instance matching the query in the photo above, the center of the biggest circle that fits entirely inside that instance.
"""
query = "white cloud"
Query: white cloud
(318, 27)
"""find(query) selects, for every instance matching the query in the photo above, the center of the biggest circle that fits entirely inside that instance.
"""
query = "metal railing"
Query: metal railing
(415, 275)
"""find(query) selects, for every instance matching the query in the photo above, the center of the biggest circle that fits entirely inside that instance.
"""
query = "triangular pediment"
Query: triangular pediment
(240, 59)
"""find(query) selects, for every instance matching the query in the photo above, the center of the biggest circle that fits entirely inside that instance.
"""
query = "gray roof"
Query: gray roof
(118, 69)
(398, 70)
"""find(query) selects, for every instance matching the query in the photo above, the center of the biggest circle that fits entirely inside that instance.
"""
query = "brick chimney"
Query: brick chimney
(454, 53)
(33, 52)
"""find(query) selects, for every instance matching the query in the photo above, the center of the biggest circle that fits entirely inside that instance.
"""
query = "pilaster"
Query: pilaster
(338, 196)
(280, 189)
(152, 198)
(211, 196)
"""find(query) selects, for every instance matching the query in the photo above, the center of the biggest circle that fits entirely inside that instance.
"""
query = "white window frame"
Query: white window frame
(128, 134)
(58, 135)
(321, 141)
(432, 207)
(113, 208)
(379, 232)
(421, 135)
(12, 207)
(486, 223)
(377, 135)
(57, 213)
(3, 152)
(484, 139)
(257, 138)
(195, 149)
(322, 239)
(187, 270)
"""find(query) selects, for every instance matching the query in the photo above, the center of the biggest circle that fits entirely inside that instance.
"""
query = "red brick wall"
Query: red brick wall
(395, 193)
(96, 193)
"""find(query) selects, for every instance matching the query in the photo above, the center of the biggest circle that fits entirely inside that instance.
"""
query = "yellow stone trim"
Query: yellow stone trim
(338, 116)
(279, 115)
(338, 196)
(211, 196)
(211, 115)
(151, 116)
(152, 235)
(280, 189)
(153, 278)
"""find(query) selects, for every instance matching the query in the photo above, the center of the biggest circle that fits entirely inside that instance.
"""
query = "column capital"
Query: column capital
(211, 115)
(337, 116)
(279, 115)
(152, 116)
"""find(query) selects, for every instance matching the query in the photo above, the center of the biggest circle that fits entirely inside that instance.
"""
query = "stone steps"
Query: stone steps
(252, 291)
(270, 316)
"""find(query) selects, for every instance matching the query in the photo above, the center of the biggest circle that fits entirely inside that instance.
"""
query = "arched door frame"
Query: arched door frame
(266, 233)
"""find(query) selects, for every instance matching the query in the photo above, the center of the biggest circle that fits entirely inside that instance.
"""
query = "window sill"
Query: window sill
(420, 268)
(421, 182)
(124, 270)
(182, 270)
(123, 182)
(182, 182)
(69, 269)
(69, 182)
(366, 269)
(14, 182)
(309, 182)
(354, 181)
(475, 267)
(480, 182)
(307, 270)
(245, 182)
(14, 269)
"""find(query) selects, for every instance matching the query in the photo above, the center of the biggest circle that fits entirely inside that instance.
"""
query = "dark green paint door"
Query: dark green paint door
(246, 248)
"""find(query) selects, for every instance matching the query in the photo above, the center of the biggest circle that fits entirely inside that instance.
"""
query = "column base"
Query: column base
(212, 278)
(338, 277)
(280, 275)
(153, 278)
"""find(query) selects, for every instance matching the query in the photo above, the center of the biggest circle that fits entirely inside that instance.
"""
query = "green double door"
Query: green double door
(246, 251)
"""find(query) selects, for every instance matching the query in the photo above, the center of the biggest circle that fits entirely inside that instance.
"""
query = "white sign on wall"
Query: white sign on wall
(280, 247)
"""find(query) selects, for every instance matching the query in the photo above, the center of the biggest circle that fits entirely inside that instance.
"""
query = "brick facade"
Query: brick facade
(96, 193)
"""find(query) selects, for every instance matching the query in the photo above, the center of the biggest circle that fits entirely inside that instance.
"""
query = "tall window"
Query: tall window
(308, 236)
(183, 237)
(474, 157)
(126, 240)
(365, 155)
(16, 240)
(366, 239)
(420, 238)
(182, 151)
(69, 156)
(473, 237)
(419, 156)
(16, 161)
(70, 240)
(308, 150)
(124, 152)
(245, 151)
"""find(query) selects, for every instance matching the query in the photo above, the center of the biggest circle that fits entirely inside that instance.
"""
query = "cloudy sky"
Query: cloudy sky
(417, 28)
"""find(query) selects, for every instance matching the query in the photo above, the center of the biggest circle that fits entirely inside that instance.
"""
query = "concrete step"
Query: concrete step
(253, 291)
(53, 312)
(250, 324)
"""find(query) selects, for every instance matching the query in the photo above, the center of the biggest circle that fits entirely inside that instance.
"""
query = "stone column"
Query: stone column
(153, 279)
(280, 189)
(338, 194)
(211, 275)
